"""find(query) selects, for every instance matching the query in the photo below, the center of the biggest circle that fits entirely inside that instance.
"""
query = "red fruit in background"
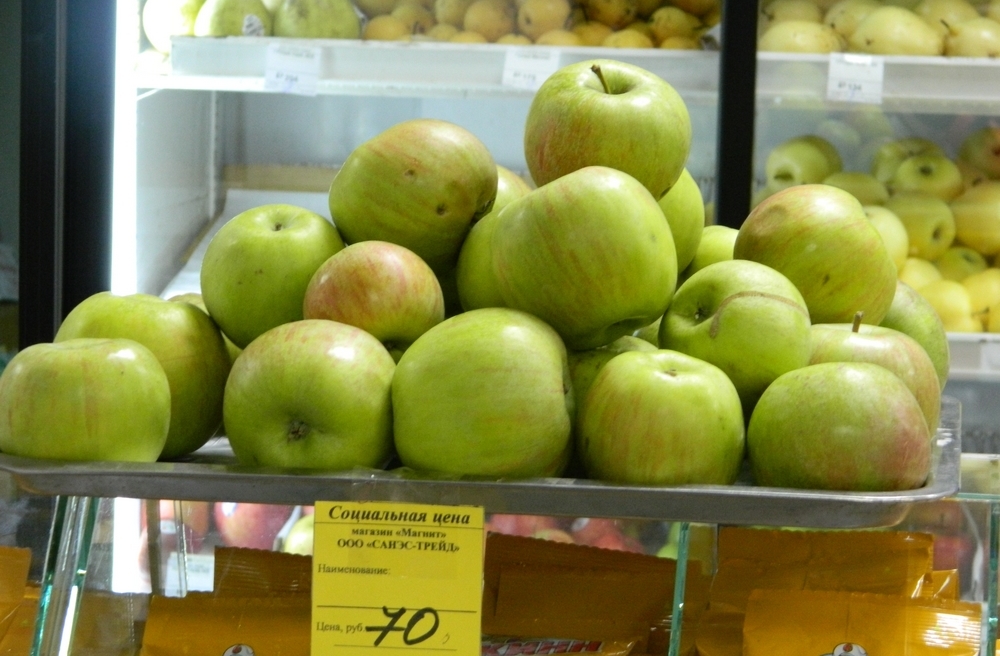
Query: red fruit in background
(618, 542)
(195, 517)
(586, 530)
(954, 552)
(307, 510)
(554, 535)
(250, 525)
(523, 525)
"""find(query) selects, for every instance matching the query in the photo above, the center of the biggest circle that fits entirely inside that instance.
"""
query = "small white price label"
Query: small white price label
(989, 356)
(855, 78)
(291, 69)
(525, 68)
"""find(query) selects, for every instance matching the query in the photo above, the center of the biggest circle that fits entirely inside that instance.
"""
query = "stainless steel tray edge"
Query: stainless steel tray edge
(211, 474)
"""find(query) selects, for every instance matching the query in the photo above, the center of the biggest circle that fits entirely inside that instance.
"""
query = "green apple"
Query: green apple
(716, 245)
(893, 233)
(162, 19)
(311, 394)
(608, 113)
(195, 299)
(917, 272)
(802, 160)
(683, 424)
(845, 16)
(929, 222)
(981, 150)
(84, 399)
(590, 254)
(895, 31)
(585, 365)
(850, 426)
(484, 393)
(233, 18)
(960, 262)
(185, 341)
(300, 536)
(743, 317)
(684, 208)
(801, 37)
(891, 154)
(977, 217)
(317, 19)
(978, 37)
(650, 333)
(863, 186)
(258, 265)
(894, 350)
(945, 15)
(420, 184)
(819, 237)
(930, 174)
(382, 288)
(477, 286)
(913, 315)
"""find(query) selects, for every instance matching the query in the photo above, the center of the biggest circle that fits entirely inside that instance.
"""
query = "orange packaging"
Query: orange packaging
(255, 572)
(796, 622)
(493, 646)
(20, 631)
(14, 566)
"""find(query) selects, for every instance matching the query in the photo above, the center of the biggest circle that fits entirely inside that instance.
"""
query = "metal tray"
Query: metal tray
(212, 474)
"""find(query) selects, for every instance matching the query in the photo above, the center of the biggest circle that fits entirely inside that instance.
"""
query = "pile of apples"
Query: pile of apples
(674, 24)
(477, 327)
(939, 217)
(954, 28)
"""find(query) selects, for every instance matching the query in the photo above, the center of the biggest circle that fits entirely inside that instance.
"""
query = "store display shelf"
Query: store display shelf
(974, 356)
(418, 68)
(212, 474)
(932, 85)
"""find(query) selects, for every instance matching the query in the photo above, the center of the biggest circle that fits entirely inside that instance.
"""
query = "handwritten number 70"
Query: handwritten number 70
(396, 616)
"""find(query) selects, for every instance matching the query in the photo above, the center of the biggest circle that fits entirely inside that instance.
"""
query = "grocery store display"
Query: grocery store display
(608, 113)
(743, 317)
(382, 288)
(484, 393)
(85, 399)
(317, 19)
(311, 394)
(589, 253)
(819, 237)
(257, 267)
(879, 441)
(661, 418)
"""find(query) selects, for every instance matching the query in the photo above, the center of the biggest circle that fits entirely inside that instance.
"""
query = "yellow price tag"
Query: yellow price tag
(396, 578)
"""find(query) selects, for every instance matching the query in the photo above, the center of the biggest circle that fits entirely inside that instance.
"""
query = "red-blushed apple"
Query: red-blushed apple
(311, 394)
(585, 365)
(603, 112)
(258, 265)
(896, 351)
(618, 543)
(420, 184)
(476, 282)
(743, 317)
(819, 237)
(587, 530)
(851, 426)
(187, 344)
(249, 525)
(523, 525)
(195, 518)
(553, 535)
(911, 314)
(84, 399)
(661, 418)
(684, 208)
(954, 552)
(384, 289)
(590, 254)
(484, 393)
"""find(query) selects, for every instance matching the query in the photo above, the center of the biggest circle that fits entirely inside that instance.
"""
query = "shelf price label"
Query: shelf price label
(291, 69)
(855, 78)
(396, 578)
(527, 68)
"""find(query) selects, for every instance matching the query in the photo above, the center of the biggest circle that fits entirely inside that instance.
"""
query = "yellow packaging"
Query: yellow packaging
(14, 565)
(796, 622)
(207, 625)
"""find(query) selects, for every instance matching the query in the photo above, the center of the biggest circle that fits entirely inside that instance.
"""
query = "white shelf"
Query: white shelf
(975, 356)
(420, 68)
(934, 85)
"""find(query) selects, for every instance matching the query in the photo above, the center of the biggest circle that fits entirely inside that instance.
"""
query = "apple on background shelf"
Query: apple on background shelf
(233, 18)
(85, 399)
(801, 160)
(929, 222)
(249, 525)
(317, 19)
(300, 536)
(162, 19)
(311, 394)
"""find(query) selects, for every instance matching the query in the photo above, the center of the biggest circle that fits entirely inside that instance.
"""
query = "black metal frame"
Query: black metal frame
(67, 128)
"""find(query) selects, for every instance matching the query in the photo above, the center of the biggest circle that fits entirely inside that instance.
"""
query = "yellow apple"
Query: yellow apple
(627, 39)
(559, 37)
(671, 21)
(863, 186)
(977, 217)
(385, 27)
(893, 233)
(514, 40)
(468, 36)
(918, 273)
(993, 319)
(800, 36)
(490, 18)
(789, 10)
(984, 292)
(943, 15)
(442, 32)
(417, 19)
(979, 37)
(928, 220)
(896, 31)
(536, 17)
(960, 262)
(592, 33)
(952, 303)
(845, 16)
(680, 43)
(451, 12)
(616, 14)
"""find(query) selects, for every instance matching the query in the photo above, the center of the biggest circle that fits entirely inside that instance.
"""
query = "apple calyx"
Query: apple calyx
(298, 430)
(600, 76)
(858, 316)
(713, 330)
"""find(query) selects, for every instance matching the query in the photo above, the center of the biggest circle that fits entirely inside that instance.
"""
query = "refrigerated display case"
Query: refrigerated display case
(152, 156)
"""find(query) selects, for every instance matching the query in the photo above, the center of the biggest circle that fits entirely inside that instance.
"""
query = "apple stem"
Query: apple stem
(604, 83)
(857, 321)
